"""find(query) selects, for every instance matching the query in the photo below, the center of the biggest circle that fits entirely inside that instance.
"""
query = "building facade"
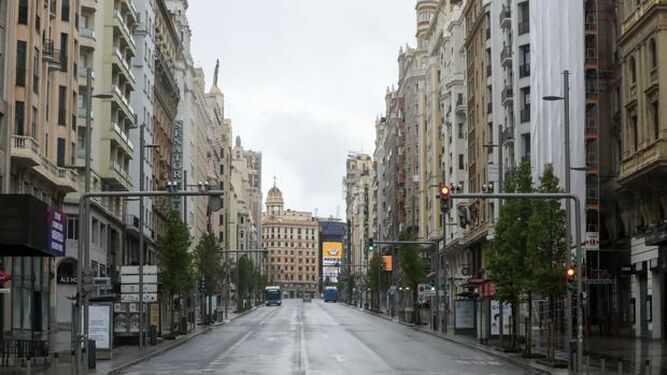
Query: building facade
(292, 242)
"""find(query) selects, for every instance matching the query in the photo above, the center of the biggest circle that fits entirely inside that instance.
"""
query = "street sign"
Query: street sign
(102, 282)
(5, 290)
(134, 297)
(134, 270)
(134, 279)
(134, 288)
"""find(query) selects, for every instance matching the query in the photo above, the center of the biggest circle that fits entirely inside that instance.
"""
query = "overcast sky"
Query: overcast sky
(303, 81)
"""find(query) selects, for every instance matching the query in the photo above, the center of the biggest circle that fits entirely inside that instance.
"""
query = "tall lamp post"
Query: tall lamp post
(83, 252)
(566, 141)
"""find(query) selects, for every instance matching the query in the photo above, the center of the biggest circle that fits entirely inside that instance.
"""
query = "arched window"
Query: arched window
(654, 53)
(633, 70)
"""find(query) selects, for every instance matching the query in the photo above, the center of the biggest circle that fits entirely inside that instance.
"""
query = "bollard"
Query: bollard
(603, 365)
(648, 367)
(92, 354)
(587, 364)
(153, 334)
(55, 363)
(29, 366)
(620, 367)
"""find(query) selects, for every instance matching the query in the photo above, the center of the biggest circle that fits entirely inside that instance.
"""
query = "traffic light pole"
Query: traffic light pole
(579, 254)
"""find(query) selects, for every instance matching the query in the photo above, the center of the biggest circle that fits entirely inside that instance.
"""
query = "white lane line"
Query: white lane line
(239, 342)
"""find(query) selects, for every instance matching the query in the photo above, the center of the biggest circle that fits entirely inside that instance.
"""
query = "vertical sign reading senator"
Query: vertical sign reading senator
(177, 161)
(57, 226)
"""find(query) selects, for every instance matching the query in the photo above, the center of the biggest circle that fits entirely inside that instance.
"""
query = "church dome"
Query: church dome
(275, 196)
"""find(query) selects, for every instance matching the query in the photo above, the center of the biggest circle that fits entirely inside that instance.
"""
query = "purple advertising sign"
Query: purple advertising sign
(57, 227)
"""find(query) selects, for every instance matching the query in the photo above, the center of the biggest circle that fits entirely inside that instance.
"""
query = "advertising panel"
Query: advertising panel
(99, 326)
(332, 252)
(57, 228)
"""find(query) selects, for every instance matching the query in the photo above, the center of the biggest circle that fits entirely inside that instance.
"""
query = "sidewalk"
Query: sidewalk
(635, 356)
(127, 355)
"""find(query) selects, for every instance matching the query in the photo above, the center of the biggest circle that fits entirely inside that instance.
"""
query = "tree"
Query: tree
(375, 279)
(245, 278)
(508, 261)
(547, 253)
(175, 260)
(208, 263)
(411, 268)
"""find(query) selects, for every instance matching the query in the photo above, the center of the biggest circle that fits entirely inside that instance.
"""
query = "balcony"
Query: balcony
(506, 56)
(25, 150)
(87, 33)
(117, 176)
(51, 55)
(83, 73)
(123, 65)
(645, 167)
(120, 22)
(505, 17)
(507, 96)
(525, 114)
(507, 135)
(123, 102)
(524, 70)
(67, 179)
(461, 108)
(122, 137)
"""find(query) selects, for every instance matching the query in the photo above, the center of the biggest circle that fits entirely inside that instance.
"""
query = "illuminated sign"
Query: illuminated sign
(177, 162)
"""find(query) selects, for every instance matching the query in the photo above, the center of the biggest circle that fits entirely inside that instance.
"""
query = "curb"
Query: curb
(491, 352)
(511, 360)
(175, 344)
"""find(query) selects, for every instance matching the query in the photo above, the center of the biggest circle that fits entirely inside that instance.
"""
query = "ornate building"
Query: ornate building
(292, 241)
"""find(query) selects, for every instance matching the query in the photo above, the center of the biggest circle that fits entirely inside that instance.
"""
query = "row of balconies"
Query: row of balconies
(123, 64)
(118, 17)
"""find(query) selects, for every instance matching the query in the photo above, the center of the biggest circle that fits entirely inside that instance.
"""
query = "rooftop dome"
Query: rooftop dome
(275, 196)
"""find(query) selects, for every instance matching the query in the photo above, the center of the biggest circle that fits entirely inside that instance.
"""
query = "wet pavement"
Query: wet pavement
(318, 338)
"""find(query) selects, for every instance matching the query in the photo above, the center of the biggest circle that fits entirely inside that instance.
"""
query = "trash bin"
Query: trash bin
(92, 354)
(184, 326)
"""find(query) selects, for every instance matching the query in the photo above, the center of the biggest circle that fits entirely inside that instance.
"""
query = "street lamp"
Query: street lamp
(566, 120)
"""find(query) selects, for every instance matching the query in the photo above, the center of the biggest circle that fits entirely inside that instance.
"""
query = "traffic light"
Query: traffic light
(571, 276)
(369, 245)
(445, 196)
(4, 278)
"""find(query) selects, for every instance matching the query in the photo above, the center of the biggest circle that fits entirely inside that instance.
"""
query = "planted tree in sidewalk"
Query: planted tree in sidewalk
(411, 268)
(508, 261)
(175, 260)
(244, 279)
(375, 279)
(208, 263)
(547, 253)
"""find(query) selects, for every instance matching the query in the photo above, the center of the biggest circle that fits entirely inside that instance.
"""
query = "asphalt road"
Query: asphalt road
(318, 338)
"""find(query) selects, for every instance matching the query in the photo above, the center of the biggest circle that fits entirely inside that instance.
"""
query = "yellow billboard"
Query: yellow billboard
(332, 250)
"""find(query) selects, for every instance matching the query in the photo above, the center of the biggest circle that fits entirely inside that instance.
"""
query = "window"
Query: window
(20, 63)
(19, 118)
(656, 120)
(460, 125)
(64, 9)
(73, 228)
(461, 161)
(35, 72)
(62, 105)
(633, 129)
(63, 51)
(60, 156)
(33, 123)
(633, 71)
(23, 12)
(654, 56)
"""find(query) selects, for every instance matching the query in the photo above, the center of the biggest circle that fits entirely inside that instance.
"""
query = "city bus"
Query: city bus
(273, 296)
(330, 294)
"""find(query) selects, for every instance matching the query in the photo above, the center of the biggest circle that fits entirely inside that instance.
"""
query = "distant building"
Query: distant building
(333, 234)
(292, 241)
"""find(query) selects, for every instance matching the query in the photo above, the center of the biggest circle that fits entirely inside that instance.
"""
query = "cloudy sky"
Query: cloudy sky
(303, 82)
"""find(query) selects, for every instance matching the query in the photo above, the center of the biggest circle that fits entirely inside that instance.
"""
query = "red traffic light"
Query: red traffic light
(4, 278)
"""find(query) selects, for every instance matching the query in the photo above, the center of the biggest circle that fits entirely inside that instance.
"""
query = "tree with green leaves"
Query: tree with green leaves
(411, 268)
(245, 278)
(175, 263)
(508, 264)
(376, 279)
(547, 253)
(208, 263)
